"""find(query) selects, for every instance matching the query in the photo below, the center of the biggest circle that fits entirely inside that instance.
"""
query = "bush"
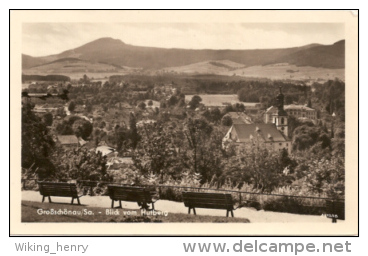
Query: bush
(291, 205)
(171, 194)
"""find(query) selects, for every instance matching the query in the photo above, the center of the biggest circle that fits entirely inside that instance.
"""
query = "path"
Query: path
(177, 207)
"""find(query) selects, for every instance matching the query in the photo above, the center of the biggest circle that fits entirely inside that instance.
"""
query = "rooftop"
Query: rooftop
(240, 117)
(290, 107)
(68, 139)
(264, 132)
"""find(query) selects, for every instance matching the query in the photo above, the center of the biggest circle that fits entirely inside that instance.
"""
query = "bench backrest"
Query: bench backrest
(129, 193)
(335, 208)
(58, 189)
(208, 200)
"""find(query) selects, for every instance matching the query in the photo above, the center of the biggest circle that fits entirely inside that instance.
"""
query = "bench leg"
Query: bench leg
(194, 211)
(72, 200)
(334, 220)
(50, 200)
(78, 200)
(120, 204)
(43, 199)
(227, 213)
(232, 214)
(189, 210)
(112, 203)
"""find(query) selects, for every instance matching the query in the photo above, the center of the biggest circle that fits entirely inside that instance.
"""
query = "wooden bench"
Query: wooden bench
(143, 196)
(61, 189)
(223, 201)
(335, 210)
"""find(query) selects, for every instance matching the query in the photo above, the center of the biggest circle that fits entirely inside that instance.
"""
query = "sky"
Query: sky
(41, 39)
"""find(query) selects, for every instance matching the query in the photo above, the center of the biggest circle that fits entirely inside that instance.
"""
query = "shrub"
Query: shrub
(291, 205)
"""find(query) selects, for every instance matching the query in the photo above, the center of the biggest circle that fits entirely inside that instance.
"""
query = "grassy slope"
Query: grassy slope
(29, 214)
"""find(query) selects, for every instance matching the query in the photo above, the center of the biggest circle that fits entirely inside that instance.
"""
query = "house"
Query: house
(249, 135)
(117, 163)
(299, 111)
(123, 105)
(68, 141)
(105, 150)
(144, 122)
(240, 118)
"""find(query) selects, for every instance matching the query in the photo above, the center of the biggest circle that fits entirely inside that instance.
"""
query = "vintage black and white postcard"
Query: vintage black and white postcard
(184, 122)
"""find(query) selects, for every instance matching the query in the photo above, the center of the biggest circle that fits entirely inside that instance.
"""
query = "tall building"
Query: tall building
(280, 117)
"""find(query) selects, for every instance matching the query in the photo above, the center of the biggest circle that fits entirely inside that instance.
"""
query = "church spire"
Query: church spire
(280, 118)
(280, 103)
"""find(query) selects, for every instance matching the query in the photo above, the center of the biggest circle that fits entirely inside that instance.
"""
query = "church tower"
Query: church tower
(280, 118)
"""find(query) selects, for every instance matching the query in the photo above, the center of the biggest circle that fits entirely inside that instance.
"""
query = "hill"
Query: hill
(72, 65)
(325, 56)
(29, 61)
(116, 52)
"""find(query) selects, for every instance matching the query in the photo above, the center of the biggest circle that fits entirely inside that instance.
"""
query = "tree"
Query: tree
(194, 102)
(163, 104)
(85, 78)
(181, 102)
(98, 135)
(133, 133)
(102, 125)
(47, 119)
(226, 120)
(71, 106)
(293, 123)
(64, 128)
(80, 164)
(256, 165)
(142, 105)
(121, 135)
(212, 115)
(82, 128)
(37, 144)
(197, 131)
(172, 101)
(155, 153)
(326, 175)
(88, 108)
(309, 105)
(307, 135)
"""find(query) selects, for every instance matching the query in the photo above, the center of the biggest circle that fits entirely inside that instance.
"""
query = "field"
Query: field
(290, 72)
(75, 69)
(278, 71)
(206, 67)
(216, 99)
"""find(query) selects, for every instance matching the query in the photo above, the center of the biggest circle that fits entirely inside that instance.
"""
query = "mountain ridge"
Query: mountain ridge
(116, 52)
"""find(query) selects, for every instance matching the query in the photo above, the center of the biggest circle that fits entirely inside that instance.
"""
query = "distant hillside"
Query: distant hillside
(29, 61)
(115, 52)
(58, 78)
(71, 65)
(325, 56)
(207, 67)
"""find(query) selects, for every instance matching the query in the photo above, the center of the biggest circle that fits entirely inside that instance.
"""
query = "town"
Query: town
(258, 136)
